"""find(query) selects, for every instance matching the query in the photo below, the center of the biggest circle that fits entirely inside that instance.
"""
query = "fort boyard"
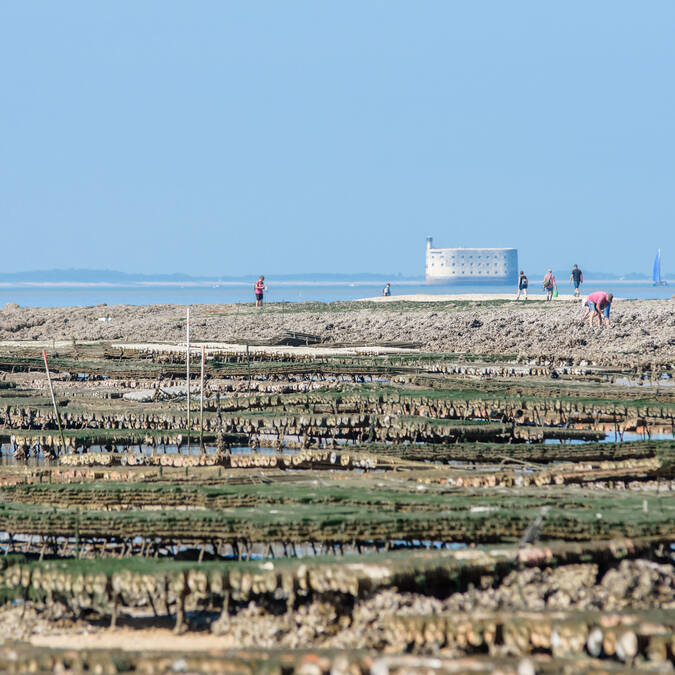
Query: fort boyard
(471, 265)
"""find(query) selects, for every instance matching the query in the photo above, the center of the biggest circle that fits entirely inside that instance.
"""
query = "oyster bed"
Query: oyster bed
(358, 487)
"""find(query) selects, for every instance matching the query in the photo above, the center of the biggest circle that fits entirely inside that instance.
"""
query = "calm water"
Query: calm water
(189, 294)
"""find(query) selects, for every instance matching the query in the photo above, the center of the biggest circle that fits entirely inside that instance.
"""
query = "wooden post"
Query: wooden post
(56, 410)
(77, 535)
(248, 358)
(187, 360)
(201, 404)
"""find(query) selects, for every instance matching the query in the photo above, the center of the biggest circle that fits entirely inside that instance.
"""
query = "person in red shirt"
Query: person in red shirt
(598, 304)
(258, 289)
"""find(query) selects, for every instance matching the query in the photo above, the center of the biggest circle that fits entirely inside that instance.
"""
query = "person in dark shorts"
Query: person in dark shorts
(258, 289)
(522, 285)
(576, 278)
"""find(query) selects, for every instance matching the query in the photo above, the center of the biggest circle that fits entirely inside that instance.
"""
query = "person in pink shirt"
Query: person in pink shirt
(598, 304)
(258, 289)
(550, 285)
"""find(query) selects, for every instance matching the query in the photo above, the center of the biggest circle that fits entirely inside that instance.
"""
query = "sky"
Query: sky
(255, 137)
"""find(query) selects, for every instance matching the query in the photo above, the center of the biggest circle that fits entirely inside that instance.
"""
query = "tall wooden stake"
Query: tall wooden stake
(187, 360)
(56, 410)
(248, 358)
(201, 404)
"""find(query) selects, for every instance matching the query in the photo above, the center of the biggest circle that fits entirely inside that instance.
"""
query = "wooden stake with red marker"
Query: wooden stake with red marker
(51, 391)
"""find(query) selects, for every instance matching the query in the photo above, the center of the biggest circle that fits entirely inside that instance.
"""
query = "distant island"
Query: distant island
(85, 276)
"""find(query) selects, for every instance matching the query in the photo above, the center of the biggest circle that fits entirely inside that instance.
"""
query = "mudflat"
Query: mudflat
(641, 330)
(371, 486)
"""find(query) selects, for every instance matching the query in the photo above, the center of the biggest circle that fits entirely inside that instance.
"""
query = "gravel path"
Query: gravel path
(642, 331)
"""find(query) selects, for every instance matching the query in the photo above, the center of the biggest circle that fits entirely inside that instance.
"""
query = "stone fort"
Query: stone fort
(471, 265)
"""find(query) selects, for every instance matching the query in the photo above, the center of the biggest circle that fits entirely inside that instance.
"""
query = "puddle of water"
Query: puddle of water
(663, 381)
(7, 457)
(426, 543)
(614, 437)
(7, 452)
(244, 450)
(629, 436)
(257, 551)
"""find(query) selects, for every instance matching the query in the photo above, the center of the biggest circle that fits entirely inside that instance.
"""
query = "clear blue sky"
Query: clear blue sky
(266, 137)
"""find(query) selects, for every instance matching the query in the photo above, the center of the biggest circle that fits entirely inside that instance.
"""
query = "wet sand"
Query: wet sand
(465, 297)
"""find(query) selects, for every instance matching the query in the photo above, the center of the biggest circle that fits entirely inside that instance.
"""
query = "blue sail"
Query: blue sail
(656, 274)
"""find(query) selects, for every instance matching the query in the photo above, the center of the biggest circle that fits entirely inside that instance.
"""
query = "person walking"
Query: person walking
(522, 285)
(549, 285)
(598, 304)
(259, 288)
(576, 278)
(386, 291)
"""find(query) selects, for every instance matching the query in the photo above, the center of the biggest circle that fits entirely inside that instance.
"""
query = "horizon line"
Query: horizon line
(292, 275)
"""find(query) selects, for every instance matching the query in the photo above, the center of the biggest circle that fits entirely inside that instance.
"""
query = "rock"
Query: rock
(526, 667)
(627, 646)
(594, 642)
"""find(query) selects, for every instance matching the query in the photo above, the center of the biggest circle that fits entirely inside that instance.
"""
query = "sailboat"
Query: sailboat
(656, 274)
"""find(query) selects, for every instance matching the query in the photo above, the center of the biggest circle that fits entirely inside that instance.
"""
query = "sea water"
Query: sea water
(208, 293)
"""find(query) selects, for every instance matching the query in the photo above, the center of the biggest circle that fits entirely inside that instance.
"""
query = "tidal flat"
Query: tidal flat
(458, 486)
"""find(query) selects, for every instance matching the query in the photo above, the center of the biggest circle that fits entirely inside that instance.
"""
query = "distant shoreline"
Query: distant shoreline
(466, 297)
(271, 281)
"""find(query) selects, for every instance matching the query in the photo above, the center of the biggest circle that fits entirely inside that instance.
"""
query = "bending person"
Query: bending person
(598, 304)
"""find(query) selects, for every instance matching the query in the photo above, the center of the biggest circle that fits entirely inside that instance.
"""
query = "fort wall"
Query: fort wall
(471, 265)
